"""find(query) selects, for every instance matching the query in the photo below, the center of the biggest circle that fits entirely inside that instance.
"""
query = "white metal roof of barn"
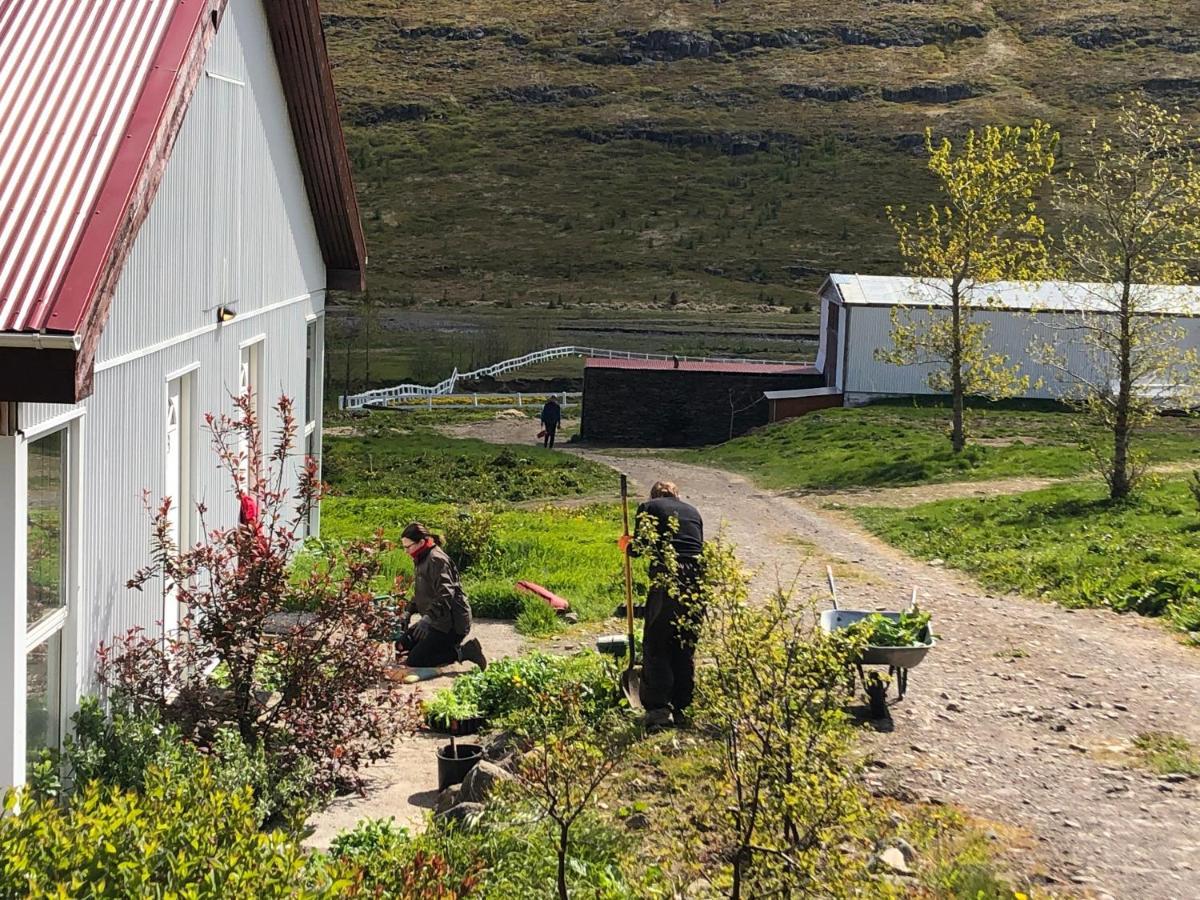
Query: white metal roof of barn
(1045, 296)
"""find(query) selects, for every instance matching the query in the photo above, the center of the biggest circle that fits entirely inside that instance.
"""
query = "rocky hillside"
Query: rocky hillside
(659, 152)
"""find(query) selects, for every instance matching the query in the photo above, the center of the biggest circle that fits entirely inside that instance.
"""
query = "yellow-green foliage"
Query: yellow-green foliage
(180, 837)
(775, 695)
(984, 228)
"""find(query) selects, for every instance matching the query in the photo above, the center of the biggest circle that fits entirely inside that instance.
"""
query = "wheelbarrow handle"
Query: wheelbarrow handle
(832, 586)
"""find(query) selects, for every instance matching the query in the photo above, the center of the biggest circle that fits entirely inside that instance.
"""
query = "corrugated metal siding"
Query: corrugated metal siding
(1010, 333)
(232, 213)
(161, 299)
(125, 454)
(70, 73)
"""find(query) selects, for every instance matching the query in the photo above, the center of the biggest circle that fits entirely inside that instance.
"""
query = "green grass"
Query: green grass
(1068, 544)
(1167, 754)
(570, 551)
(427, 467)
(892, 444)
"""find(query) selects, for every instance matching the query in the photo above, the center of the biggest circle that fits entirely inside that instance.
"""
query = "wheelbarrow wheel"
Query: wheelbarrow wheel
(877, 698)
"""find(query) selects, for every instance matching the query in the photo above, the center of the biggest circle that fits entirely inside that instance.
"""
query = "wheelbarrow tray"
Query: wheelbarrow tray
(898, 657)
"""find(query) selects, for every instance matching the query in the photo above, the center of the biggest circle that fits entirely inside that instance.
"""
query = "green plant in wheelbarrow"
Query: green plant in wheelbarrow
(910, 629)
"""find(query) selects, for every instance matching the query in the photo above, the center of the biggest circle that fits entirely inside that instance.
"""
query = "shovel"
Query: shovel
(631, 678)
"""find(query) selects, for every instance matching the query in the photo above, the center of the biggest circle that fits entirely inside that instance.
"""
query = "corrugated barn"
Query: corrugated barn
(856, 320)
(658, 403)
(179, 200)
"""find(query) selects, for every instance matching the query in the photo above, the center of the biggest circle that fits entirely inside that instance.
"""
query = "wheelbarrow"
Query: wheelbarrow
(897, 659)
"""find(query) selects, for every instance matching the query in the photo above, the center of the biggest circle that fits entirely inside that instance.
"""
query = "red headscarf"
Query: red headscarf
(419, 551)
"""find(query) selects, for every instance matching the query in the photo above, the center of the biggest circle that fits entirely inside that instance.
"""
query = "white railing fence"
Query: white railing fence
(400, 392)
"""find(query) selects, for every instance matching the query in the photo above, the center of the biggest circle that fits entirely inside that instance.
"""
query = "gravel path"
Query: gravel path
(1022, 711)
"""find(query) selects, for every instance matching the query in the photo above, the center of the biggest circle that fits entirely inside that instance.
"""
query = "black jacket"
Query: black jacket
(438, 595)
(687, 537)
(551, 414)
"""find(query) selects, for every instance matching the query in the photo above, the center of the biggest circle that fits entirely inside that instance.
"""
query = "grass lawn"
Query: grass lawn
(572, 552)
(428, 467)
(1068, 544)
(892, 444)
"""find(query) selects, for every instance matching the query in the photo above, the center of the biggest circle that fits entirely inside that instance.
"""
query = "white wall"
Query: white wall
(163, 321)
(1011, 333)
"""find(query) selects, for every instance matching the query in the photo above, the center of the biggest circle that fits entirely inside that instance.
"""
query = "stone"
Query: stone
(462, 813)
(481, 779)
(637, 822)
(909, 851)
(448, 798)
(953, 707)
(893, 860)
(498, 746)
(937, 563)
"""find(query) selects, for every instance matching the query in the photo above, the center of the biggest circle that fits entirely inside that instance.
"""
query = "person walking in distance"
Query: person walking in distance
(671, 624)
(550, 417)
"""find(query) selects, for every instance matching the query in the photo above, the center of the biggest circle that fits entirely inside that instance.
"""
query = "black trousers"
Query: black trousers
(669, 642)
(548, 441)
(437, 648)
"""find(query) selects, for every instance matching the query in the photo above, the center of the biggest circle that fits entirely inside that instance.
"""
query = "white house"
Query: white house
(856, 320)
(164, 164)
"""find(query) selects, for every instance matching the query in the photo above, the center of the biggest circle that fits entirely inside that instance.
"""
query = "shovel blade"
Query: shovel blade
(631, 686)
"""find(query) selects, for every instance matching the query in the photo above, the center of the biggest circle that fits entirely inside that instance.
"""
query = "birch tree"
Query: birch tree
(1131, 236)
(984, 228)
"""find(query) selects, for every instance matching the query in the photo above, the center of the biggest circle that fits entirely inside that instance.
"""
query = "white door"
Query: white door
(178, 483)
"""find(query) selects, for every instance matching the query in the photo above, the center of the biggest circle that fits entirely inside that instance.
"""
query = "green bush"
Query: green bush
(509, 686)
(508, 853)
(181, 835)
(537, 617)
(120, 750)
(470, 541)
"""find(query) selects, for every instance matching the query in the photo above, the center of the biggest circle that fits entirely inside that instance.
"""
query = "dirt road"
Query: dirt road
(1020, 712)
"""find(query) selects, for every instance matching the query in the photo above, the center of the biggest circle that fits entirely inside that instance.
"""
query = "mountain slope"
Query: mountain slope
(621, 153)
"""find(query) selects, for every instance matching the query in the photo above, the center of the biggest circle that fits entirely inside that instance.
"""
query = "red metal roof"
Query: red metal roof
(92, 95)
(742, 368)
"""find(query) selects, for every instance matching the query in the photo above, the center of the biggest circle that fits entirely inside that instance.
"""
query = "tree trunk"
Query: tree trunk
(1120, 483)
(368, 314)
(563, 835)
(958, 437)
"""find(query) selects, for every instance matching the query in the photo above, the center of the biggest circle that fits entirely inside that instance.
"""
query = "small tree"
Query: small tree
(570, 756)
(308, 691)
(986, 228)
(773, 696)
(1132, 231)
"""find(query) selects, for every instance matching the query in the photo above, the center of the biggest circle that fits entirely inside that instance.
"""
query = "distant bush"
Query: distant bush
(181, 835)
(470, 538)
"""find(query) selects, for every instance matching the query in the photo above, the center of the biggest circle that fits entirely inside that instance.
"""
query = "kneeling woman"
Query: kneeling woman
(437, 639)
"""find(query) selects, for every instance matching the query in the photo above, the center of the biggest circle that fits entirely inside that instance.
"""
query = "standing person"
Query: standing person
(551, 417)
(669, 636)
(437, 639)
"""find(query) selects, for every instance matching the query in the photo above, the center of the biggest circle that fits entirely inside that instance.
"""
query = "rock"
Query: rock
(909, 851)
(937, 562)
(499, 746)
(892, 859)
(571, 618)
(463, 813)
(930, 93)
(953, 707)
(448, 798)
(637, 822)
(481, 779)
(1076, 675)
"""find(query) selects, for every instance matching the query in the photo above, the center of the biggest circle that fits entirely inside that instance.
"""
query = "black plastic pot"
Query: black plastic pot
(455, 761)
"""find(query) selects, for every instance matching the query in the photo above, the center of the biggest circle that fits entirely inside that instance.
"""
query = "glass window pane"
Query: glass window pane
(45, 553)
(310, 363)
(42, 695)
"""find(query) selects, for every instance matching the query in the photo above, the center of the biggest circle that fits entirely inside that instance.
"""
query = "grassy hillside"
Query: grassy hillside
(675, 154)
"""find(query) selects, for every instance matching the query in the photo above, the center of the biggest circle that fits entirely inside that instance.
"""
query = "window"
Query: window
(46, 559)
(249, 382)
(311, 391)
(48, 520)
(43, 696)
